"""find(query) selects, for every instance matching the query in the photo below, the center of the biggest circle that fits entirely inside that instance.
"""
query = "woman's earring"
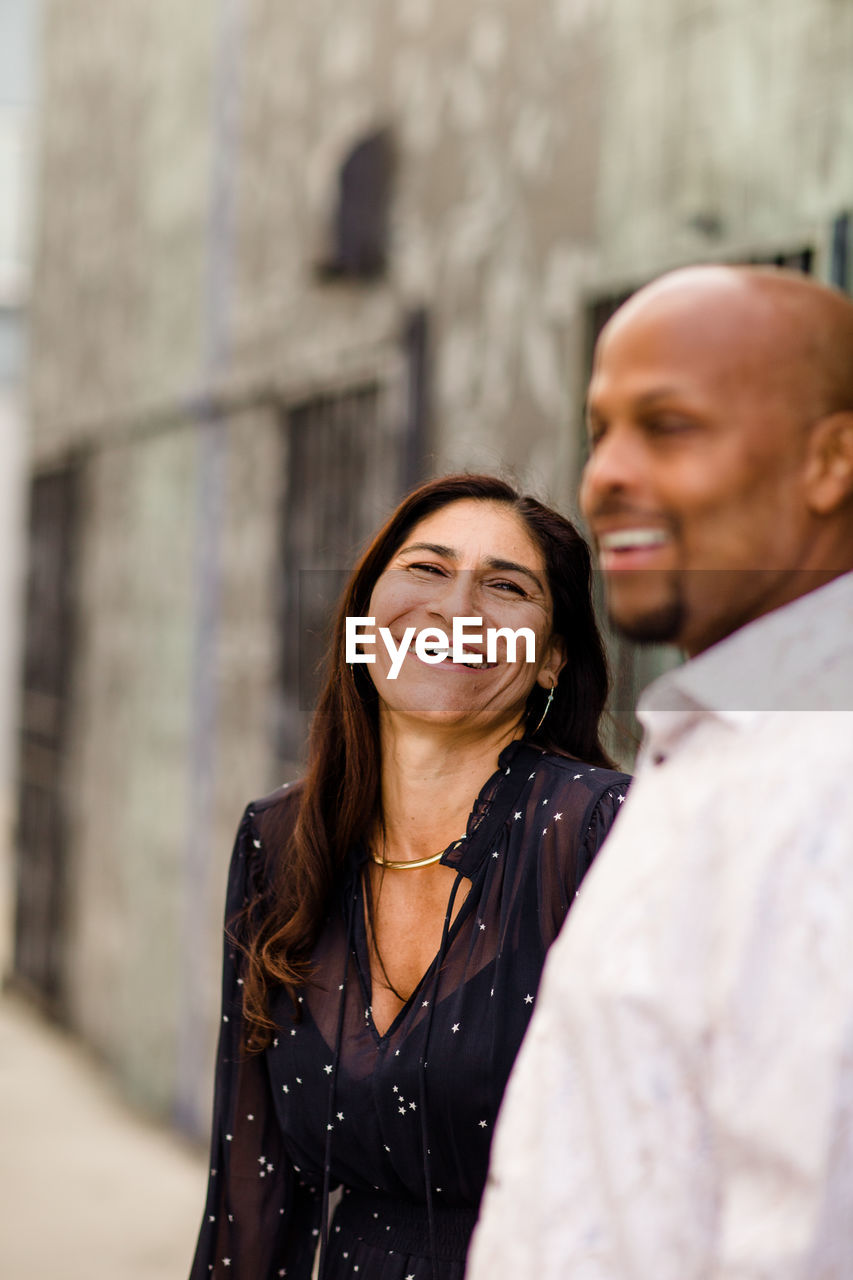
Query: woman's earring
(547, 708)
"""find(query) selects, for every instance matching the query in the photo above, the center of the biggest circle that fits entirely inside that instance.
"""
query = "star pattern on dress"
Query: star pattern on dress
(523, 851)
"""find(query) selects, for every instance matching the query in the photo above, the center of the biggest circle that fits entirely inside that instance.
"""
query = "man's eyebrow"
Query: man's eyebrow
(646, 400)
(649, 398)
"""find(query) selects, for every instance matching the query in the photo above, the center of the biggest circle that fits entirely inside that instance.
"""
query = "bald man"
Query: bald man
(682, 1107)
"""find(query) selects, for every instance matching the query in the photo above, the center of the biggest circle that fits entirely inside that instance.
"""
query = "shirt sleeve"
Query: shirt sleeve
(260, 1220)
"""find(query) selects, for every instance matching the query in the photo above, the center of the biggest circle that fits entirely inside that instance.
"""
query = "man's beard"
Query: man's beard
(660, 626)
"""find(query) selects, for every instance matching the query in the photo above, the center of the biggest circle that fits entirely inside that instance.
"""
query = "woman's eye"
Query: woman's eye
(431, 570)
(506, 585)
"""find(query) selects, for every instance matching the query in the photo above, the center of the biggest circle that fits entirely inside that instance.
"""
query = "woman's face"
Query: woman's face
(473, 558)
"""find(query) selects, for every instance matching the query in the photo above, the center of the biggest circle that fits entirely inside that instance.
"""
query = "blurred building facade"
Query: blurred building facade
(290, 259)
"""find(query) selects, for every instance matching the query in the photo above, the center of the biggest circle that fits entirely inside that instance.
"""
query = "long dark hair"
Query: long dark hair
(340, 797)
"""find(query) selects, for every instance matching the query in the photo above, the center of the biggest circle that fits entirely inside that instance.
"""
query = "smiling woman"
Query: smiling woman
(388, 918)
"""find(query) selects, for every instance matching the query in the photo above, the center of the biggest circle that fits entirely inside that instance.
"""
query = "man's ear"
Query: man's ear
(829, 467)
(555, 660)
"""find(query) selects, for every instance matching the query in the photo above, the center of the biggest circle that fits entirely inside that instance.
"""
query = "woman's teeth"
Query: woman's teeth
(435, 651)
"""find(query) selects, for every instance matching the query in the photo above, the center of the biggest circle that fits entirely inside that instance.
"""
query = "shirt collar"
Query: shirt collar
(798, 657)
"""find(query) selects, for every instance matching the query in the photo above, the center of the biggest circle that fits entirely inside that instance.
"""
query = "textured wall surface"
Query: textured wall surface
(549, 153)
(733, 117)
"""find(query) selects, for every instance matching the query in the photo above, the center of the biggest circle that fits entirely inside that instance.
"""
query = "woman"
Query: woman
(388, 918)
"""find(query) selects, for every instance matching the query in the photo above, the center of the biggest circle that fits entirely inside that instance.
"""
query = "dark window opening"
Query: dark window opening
(363, 214)
(40, 905)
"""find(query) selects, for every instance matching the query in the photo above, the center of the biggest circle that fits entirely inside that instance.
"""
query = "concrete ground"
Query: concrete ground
(88, 1190)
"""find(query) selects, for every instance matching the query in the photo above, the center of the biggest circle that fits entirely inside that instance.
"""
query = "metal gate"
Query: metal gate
(41, 834)
(345, 458)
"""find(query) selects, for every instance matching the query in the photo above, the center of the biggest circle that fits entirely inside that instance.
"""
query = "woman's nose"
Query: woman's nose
(455, 596)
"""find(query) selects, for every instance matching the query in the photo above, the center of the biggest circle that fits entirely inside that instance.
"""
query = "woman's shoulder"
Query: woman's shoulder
(566, 770)
(264, 831)
(271, 818)
(283, 799)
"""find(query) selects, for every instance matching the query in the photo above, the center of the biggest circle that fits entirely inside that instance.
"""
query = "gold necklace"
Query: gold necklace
(410, 866)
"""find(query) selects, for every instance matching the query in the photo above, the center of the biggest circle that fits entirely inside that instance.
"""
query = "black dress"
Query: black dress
(403, 1121)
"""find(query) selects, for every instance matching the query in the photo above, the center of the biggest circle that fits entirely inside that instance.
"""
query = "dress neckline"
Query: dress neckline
(495, 801)
(499, 794)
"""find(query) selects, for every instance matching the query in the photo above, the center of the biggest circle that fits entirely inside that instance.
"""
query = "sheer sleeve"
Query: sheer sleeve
(260, 1219)
(603, 816)
(581, 809)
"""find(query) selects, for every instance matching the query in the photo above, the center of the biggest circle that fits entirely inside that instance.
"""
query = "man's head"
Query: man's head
(720, 480)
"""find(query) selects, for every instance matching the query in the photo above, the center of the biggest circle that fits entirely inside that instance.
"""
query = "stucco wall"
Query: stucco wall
(735, 117)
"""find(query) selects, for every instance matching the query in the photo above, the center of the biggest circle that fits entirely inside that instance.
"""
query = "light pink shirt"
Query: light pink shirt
(682, 1106)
